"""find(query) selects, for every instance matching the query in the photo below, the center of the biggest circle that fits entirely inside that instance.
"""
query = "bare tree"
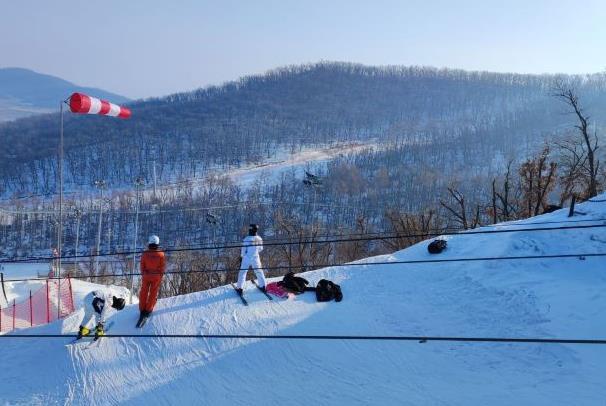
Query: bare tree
(587, 160)
(505, 200)
(459, 210)
(537, 178)
(572, 161)
(348, 251)
(411, 228)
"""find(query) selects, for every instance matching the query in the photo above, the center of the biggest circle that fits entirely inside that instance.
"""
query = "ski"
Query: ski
(83, 339)
(89, 339)
(97, 340)
(244, 302)
(142, 321)
(254, 281)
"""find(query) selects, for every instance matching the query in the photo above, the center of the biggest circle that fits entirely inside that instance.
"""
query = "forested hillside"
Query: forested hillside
(435, 140)
(248, 120)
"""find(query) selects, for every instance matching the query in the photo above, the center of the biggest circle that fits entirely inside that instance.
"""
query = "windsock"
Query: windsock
(83, 104)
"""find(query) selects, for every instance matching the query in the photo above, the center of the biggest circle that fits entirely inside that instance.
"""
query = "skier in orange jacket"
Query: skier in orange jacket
(153, 265)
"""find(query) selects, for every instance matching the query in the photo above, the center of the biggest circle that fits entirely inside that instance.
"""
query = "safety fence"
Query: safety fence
(53, 301)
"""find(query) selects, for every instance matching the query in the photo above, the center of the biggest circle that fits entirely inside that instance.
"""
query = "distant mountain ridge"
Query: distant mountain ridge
(24, 92)
(245, 121)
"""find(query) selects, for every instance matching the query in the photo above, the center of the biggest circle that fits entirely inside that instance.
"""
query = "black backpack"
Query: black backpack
(294, 284)
(327, 291)
(436, 246)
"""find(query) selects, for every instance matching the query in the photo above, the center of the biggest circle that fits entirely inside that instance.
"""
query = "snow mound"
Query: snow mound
(537, 298)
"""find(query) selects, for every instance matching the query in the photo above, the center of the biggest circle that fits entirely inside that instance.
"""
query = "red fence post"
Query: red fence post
(14, 312)
(59, 298)
(47, 304)
(31, 309)
(71, 293)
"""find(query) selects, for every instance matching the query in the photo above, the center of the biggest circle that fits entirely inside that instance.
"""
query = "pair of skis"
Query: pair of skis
(91, 340)
(243, 299)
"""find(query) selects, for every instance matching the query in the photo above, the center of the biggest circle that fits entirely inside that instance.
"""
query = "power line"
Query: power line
(299, 242)
(175, 210)
(318, 266)
(390, 235)
(420, 339)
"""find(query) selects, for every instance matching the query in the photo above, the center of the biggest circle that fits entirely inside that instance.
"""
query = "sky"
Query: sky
(145, 48)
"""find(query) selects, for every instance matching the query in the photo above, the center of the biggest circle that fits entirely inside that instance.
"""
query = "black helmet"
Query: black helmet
(253, 228)
(118, 303)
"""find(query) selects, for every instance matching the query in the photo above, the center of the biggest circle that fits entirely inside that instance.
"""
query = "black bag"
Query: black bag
(294, 284)
(327, 291)
(436, 246)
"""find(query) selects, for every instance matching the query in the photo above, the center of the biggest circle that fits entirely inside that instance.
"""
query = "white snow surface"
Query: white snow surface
(538, 298)
(19, 289)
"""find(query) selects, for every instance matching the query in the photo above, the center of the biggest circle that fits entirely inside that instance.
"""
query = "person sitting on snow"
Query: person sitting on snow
(249, 254)
(97, 305)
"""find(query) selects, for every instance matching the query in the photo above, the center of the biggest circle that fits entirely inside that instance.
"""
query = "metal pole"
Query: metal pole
(47, 303)
(100, 184)
(132, 276)
(313, 218)
(31, 309)
(155, 181)
(60, 226)
(71, 293)
(78, 217)
(572, 202)
(99, 231)
(60, 231)
(3, 290)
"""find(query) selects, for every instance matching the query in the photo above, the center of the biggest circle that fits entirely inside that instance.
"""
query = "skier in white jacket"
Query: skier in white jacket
(96, 305)
(252, 247)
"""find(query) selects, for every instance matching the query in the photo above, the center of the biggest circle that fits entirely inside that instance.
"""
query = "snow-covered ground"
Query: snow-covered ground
(20, 289)
(538, 298)
(272, 170)
(269, 170)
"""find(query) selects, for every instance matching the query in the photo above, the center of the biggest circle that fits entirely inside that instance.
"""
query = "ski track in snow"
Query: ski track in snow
(539, 298)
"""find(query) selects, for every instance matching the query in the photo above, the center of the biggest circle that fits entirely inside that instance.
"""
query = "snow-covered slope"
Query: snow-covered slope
(539, 298)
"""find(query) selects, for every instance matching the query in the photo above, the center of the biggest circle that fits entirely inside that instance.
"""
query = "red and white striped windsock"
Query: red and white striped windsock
(83, 104)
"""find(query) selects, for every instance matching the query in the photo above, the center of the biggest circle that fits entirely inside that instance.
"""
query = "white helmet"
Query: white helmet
(153, 239)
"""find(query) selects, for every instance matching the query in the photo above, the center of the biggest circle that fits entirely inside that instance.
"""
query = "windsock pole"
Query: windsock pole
(81, 104)
(60, 230)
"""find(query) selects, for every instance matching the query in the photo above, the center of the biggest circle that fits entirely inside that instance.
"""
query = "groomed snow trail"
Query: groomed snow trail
(539, 298)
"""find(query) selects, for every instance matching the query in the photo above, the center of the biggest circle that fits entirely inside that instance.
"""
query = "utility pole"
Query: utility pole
(78, 216)
(101, 185)
(60, 226)
(314, 182)
(139, 183)
(155, 182)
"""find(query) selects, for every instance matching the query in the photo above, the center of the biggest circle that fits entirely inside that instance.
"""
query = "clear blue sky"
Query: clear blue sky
(143, 48)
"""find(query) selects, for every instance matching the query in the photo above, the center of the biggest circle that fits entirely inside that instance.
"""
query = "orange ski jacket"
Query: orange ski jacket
(153, 262)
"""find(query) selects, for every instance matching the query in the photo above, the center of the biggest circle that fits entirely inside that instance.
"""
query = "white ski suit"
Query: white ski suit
(253, 245)
(97, 304)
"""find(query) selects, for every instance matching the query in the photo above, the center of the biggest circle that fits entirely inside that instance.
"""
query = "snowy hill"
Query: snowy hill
(537, 298)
